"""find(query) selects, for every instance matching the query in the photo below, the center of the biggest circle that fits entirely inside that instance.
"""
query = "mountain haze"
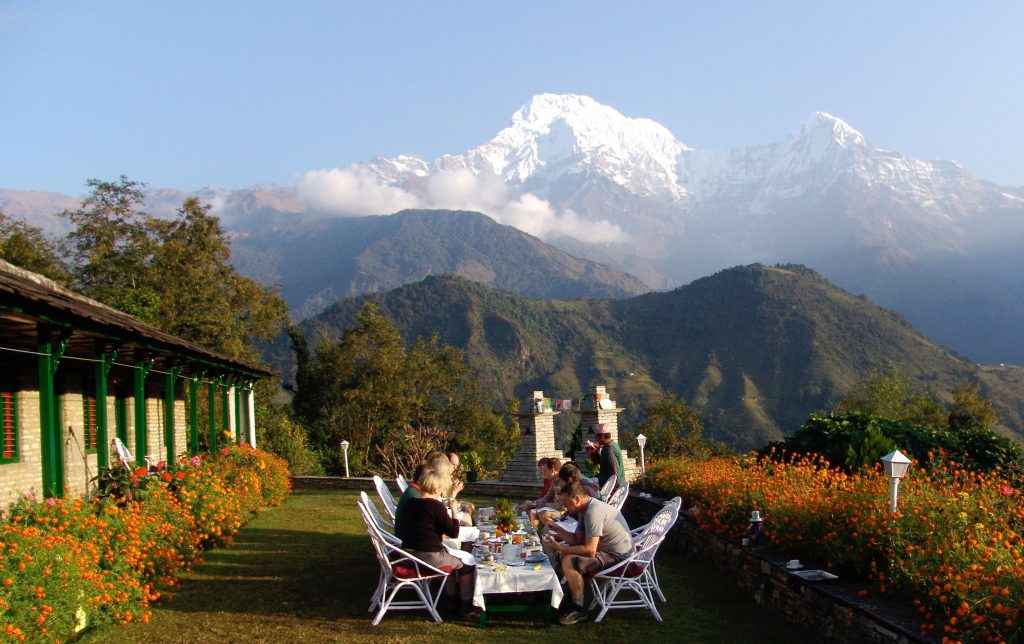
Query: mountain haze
(756, 348)
(348, 256)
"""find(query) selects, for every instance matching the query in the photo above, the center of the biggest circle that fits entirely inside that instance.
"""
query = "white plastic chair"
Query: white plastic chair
(618, 498)
(401, 483)
(387, 528)
(401, 570)
(632, 575)
(608, 488)
(125, 456)
(636, 533)
(385, 496)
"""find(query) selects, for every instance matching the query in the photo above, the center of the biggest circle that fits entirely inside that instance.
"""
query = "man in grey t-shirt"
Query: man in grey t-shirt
(601, 539)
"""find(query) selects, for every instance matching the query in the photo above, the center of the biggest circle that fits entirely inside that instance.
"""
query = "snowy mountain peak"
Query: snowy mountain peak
(826, 129)
(556, 134)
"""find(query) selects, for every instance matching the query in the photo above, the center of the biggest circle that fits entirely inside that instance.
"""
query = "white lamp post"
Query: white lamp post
(641, 440)
(896, 466)
(344, 448)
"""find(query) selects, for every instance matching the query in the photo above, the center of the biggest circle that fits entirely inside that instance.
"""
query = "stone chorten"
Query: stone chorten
(536, 440)
(597, 407)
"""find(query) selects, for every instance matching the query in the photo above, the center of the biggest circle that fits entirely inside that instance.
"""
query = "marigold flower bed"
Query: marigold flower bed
(954, 548)
(68, 564)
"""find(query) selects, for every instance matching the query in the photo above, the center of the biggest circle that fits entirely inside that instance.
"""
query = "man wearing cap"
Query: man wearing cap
(608, 455)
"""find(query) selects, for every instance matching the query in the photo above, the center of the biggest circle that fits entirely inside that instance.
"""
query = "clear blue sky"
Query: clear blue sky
(190, 93)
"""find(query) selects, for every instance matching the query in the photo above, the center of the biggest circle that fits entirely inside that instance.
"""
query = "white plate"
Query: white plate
(539, 558)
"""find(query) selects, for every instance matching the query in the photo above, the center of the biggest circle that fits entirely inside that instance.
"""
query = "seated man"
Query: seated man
(601, 540)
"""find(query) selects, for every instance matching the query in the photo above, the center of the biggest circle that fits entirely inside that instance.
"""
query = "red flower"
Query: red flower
(181, 476)
(166, 477)
(141, 471)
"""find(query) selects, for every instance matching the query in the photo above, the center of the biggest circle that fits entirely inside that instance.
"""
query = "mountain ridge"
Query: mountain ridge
(757, 348)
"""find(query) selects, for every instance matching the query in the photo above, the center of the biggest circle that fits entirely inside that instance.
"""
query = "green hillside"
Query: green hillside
(756, 348)
(318, 261)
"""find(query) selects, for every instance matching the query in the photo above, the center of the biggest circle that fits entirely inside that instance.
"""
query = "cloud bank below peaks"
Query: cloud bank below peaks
(357, 191)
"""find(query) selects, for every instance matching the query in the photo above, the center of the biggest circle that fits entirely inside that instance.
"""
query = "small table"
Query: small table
(517, 579)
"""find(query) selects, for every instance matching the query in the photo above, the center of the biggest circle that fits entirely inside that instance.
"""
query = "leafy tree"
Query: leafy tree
(202, 297)
(27, 247)
(172, 274)
(111, 248)
(672, 427)
(888, 394)
(391, 403)
(971, 409)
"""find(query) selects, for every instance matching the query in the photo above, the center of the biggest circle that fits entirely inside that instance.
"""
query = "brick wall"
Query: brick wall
(26, 475)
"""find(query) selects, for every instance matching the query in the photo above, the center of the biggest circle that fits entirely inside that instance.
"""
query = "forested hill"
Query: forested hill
(756, 348)
(318, 261)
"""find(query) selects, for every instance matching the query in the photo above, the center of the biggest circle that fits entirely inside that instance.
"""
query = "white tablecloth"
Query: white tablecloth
(517, 579)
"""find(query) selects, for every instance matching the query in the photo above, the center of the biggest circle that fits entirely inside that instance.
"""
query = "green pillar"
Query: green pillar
(193, 413)
(225, 404)
(142, 367)
(51, 348)
(104, 362)
(211, 395)
(169, 382)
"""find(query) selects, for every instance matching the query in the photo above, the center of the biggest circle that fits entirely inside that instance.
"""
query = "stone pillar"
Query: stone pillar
(536, 440)
(598, 408)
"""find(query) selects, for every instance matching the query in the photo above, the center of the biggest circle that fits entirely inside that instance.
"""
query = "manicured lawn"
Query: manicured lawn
(304, 572)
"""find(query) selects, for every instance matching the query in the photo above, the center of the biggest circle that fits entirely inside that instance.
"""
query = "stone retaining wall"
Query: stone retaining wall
(515, 491)
(829, 611)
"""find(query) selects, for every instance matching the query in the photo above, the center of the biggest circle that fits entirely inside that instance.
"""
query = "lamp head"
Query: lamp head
(344, 445)
(641, 440)
(895, 464)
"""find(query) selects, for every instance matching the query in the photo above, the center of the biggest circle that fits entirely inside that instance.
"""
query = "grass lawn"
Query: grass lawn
(304, 572)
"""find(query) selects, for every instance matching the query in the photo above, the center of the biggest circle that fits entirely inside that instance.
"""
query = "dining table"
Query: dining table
(517, 578)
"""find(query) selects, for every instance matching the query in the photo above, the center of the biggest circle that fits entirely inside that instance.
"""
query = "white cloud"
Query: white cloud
(357, 191)
(352, 191)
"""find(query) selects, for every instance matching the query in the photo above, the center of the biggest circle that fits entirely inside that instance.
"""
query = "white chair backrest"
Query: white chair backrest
(389, 553)
(618, 497)
(401, 483)
(387, 528)
(608, 488)
(385, 496)
(122, 452)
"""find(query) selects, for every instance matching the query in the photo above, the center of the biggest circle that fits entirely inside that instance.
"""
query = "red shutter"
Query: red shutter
(9, 444)
(90, 430)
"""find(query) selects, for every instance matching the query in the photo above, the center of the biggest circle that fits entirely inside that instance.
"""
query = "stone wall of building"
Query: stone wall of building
(25, 475)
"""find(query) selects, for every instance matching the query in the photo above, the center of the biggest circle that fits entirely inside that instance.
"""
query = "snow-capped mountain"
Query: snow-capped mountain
(924, 237)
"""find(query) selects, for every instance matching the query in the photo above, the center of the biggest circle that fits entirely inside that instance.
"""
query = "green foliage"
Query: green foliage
(393, 404)
(672, 428)
(27, 247)
(889, 394)
(852, 440)
(175, 275)
(278, 433)
(971, 409)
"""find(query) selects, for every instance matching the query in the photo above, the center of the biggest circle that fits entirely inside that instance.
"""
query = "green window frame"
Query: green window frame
(89, 423)
(8, 427)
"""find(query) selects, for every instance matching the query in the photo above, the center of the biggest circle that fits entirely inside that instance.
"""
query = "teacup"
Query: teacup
(793, 564)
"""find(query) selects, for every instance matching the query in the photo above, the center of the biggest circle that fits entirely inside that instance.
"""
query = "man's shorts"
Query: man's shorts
(587, 566)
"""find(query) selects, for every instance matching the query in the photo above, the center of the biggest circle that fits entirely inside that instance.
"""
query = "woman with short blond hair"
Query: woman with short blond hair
(423, 524)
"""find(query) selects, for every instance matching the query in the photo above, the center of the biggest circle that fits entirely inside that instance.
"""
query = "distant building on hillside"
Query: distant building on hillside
(75, 373)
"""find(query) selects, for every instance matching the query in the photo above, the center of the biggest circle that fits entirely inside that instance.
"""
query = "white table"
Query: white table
(516, 579)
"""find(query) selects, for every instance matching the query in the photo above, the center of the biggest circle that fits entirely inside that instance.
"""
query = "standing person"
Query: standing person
(601, 540)
(608, 455)
(423, 523)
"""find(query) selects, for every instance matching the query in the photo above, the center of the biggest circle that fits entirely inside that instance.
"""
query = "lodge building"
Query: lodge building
(75, 373)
